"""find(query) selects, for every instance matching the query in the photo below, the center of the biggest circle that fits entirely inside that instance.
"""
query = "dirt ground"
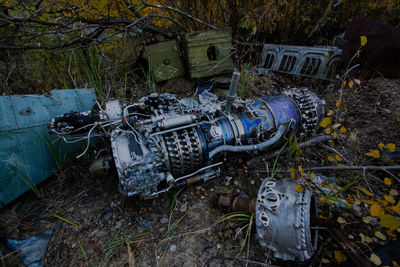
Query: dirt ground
(96, 226)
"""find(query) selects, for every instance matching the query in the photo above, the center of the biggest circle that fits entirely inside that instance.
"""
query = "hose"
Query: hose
(279, 133)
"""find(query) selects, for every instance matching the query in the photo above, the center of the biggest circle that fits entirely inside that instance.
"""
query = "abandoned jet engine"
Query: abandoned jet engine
(161, 142)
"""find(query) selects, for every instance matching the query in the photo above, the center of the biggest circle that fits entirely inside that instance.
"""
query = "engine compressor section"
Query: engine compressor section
(161, 142)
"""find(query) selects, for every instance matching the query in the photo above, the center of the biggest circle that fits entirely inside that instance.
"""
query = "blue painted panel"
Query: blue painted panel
(28, 154)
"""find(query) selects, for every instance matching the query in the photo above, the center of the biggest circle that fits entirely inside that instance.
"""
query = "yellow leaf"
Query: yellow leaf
(363, 40)
(228, 191)
(387, 181)
(341, 220)
(380, 235)
(344, 82)
(370, 202)
(240, 161)
(376, 211)
(350, 198)
(325, 261)
(389, 199)
(313, 175)
(335, 135)
(328, 130)
(338, 102)
(381, 146)
(338, 158)
(301, 171)
(339, 256)
(343, 130)
(299, 188)
(365, 191)
(325, 122)
(374, 153)
(351, 83)
(395, 264)
(391, 147)
(330, 158)
(292, 173)
(330, 112)
(390, 222)
(375, 258)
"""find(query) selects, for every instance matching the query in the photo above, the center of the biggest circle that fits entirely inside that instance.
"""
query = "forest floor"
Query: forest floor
(97, 226)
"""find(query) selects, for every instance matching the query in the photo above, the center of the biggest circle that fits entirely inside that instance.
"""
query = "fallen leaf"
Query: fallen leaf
(390, 222)
(393, 192)
(338, 158)
(391, 147)
(301, 171)
(350, 198)
(387, 181)
(344, 82)
(325, 122)
(338, 102)
(395, 264)
(375, 258)
(339, 256)
(381, 146)
(334, 134)
(365, 191)
(374, 153)
(380, 235)
(368, 239)
(325, 261)
(336, 125)
(341, 220)
(357, 81)
(292, 172)
(363, 40)
(330, 158)
(328, 131)
(240, 161)
(351, 83)
(313, 175)
(376, 211)
(299, 188)
(228, 191)
(389, 199)
(330, 112)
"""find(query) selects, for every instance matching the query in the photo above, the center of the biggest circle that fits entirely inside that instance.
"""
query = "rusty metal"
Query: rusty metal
(232, 203)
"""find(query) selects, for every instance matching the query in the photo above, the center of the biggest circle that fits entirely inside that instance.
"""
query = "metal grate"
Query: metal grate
(318, 62)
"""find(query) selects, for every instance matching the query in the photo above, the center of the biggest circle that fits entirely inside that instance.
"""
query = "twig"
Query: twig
(363, 168)
(181, 13)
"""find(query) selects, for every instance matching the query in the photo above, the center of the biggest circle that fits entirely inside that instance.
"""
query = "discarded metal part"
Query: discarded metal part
(158, 143)
(32, 249)
(208, 53)
(165, 60)
(28, 154)
(232, 93)
(102, 166)
(283, 220)
(208, 85)
(316, 62)
(238, 203)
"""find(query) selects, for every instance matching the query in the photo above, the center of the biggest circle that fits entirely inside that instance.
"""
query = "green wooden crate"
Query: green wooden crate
(165, 60)
(208, 53)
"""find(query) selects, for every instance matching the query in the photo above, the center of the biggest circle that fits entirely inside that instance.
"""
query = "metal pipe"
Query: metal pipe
(279, 133)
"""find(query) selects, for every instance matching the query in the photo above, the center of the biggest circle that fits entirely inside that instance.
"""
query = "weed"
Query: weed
(27, 181)
(55, 147)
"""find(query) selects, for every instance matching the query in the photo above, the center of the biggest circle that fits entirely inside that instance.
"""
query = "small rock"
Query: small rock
(375, 239)
(145, 223)
(164, 218)
(71, 209)
(118, 225)
(351, 236)
(252, 182)
(236, 182)
(219, 246)
(172, 248)
(228, 245)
